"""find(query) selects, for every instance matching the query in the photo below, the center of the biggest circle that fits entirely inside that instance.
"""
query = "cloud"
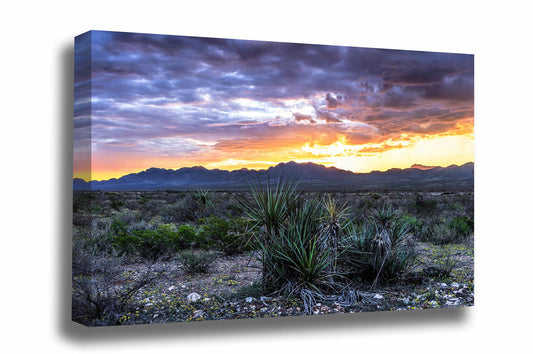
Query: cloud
(302, 117)
(239, 94)
(327, 116)
(333, 102)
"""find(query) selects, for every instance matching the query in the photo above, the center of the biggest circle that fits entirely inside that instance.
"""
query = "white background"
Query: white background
(36, 108)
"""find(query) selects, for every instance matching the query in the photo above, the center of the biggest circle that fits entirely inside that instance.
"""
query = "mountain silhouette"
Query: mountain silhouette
(309, 176)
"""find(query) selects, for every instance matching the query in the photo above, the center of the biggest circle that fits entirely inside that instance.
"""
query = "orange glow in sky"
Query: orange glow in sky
(143, 101)
(438, 150)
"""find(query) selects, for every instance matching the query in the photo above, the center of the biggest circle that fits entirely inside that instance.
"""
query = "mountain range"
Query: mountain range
(309, 176)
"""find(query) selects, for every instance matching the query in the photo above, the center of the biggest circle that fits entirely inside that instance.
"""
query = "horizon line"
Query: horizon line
(266, 169)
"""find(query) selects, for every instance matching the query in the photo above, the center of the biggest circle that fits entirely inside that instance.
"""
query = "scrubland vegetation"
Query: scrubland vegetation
(167, 256)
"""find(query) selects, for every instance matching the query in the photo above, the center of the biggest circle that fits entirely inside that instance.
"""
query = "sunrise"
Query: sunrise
(172, 102)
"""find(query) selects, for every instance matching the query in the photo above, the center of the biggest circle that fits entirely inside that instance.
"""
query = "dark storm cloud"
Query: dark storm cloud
(303, 117)
(333, 102)
(327, 116)
(430, 129)
(209, 63)
(153, 86)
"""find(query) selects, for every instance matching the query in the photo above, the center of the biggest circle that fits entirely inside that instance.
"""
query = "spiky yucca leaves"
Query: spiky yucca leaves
(390, 233)
(203, 198)
(381, 248)
(357, 249)
(300, 260)
(270, 207)
(332, 229)
(383, 217)
(288, 238)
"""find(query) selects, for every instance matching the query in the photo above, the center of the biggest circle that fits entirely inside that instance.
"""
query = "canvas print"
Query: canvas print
(222, 179)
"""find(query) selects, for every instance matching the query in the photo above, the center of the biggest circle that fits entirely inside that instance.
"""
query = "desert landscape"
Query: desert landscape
(221, 179)
(272, 250)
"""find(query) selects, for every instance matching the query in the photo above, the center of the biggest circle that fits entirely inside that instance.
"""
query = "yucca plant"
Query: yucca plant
(381, 248)
(299, 260)
(203, 198)
(332, 226)
(271, 204)
(270, 207)
(289, 238)
(383, 217)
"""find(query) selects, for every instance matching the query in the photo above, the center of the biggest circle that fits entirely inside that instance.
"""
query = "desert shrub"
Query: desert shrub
(183, 210)
(118, 226)
(115, 202)
(126, 244)
(81, 220)
(446, 231)
(296, 259)
(412, 222)
(83, 201)
(287, 238)
(168, 213)
(204, 199)
(128, 217)
(228, 205)
(186, 237)
(301, 241)
(171, 197)
(381, 249)
(424, 205)
(196, 262)
(442, 234)
(144, 199)
(445, 262)
(148, 244)
(462, 225)
(151, 208)
(153, 245)
(96, 235)
(132, 201)
(230, 235)
(103, 289)
(237, 238)
(255, 289)
(331, 229)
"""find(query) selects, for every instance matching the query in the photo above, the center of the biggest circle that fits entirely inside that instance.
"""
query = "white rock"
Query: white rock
(249, 299)
(378, 297)
(443, 285)
(193, 297)
(198, 313)
(455, 285)
(171, 288)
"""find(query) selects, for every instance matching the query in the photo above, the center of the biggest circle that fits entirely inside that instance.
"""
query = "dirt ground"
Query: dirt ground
(230, 290)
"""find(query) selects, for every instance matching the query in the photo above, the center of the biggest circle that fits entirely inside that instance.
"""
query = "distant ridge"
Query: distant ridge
(309, 176)
(423, 167)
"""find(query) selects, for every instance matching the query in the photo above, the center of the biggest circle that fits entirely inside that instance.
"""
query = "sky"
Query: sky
(143, 100)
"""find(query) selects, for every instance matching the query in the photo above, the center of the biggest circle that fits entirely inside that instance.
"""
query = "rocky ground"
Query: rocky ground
(230, 290)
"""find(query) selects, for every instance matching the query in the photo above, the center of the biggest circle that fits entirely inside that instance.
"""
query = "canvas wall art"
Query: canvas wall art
(225, 179)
